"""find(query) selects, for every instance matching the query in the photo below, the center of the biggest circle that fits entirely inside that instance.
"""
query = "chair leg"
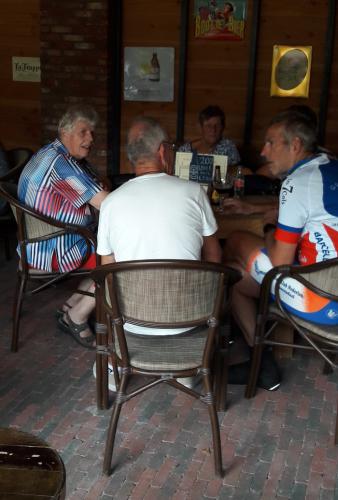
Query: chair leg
(254, 371)
(336, 433)
(216, 437)
(221, 381)
(113, 424)
(17, 306)
(102, 397)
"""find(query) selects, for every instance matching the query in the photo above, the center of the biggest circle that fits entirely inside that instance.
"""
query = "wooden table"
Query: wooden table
(29, 468)
(227, 224)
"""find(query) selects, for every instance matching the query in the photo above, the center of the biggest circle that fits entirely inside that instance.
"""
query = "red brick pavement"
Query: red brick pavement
(277, 445)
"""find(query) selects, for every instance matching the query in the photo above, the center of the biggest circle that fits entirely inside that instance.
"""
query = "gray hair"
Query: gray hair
(144, 142)
(297, 125)
(77, 112)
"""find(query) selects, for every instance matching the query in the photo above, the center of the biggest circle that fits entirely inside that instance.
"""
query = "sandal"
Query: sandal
(74, 329)
(60, 312)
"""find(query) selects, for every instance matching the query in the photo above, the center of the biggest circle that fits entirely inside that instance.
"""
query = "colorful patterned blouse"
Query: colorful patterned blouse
(57, 185)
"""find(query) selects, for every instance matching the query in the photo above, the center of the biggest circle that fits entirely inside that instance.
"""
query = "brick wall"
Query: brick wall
(74, 65)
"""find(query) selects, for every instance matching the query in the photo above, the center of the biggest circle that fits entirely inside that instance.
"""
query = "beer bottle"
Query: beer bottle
(155, 69)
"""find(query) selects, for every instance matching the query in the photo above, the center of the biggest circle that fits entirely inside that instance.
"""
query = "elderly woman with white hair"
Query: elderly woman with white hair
(59, 182)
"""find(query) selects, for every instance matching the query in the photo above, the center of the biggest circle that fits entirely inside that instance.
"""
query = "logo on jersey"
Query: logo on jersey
(323, 245)
(286, 190)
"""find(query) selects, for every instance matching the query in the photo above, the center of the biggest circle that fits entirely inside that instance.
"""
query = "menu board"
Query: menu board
(199, 167)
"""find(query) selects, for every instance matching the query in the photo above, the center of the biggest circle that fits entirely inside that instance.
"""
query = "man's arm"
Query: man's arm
(279, 252)
(107, 259)
(98, 199)
(211, 249)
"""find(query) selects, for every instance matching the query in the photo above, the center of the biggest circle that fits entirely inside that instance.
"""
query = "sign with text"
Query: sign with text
(26, 69)
(199, 168)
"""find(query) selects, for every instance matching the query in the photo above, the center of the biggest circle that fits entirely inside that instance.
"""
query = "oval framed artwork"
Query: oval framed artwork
(291, 67)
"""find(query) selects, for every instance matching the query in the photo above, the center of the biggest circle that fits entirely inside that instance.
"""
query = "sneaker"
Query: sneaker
(111, 378)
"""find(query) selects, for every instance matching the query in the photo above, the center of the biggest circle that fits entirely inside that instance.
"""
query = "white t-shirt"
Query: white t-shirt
(155, 216)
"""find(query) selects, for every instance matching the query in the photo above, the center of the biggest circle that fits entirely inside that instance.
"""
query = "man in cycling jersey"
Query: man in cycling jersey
(306, 229)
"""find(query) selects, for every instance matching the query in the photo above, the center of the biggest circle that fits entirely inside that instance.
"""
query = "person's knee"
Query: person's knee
(240, 245)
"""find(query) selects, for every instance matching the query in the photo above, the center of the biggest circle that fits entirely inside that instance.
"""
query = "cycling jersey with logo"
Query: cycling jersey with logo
(308, 215)
(308, 209)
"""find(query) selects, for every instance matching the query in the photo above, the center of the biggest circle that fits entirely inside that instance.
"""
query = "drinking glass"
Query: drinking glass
(224, 188)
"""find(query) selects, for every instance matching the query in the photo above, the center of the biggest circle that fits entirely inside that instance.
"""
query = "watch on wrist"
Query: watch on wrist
(269, 227)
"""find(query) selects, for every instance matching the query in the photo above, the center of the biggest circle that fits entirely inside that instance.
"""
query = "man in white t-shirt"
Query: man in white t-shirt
(156, 215)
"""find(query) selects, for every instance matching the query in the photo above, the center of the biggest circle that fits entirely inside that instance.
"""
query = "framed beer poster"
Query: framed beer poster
(219, 20)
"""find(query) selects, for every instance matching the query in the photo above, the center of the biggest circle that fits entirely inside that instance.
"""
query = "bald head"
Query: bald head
(145, 137)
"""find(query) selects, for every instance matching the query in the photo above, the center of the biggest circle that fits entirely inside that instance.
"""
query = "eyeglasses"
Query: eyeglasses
(171, 145)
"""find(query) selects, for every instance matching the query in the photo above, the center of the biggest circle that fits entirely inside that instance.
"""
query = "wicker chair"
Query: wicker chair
(160, 294)
(33, 227)
(322, 279)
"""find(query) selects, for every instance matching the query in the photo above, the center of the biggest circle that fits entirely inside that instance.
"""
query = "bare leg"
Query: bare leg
(239, 248)
(244, 306)
(76, 297)
(81, 306)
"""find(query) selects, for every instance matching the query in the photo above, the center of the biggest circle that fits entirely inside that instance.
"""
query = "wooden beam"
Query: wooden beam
(252, 73)
(182, 70)
(328, 57)
(114, 86)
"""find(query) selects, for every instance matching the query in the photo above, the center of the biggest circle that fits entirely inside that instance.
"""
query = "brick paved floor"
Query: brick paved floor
(277, 445)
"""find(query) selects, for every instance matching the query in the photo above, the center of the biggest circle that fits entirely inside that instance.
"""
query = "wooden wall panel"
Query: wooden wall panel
(148, 23)
(287, 23)
(217, 71)
(19, 101)
(331, 139)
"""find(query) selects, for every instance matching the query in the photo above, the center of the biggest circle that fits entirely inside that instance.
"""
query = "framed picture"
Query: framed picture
(291, 68)
(149, 74)
(219, 20)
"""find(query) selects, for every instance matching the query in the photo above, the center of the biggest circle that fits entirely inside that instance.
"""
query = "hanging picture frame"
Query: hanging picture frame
(291, 68)
(149, 74)
(219, 20)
